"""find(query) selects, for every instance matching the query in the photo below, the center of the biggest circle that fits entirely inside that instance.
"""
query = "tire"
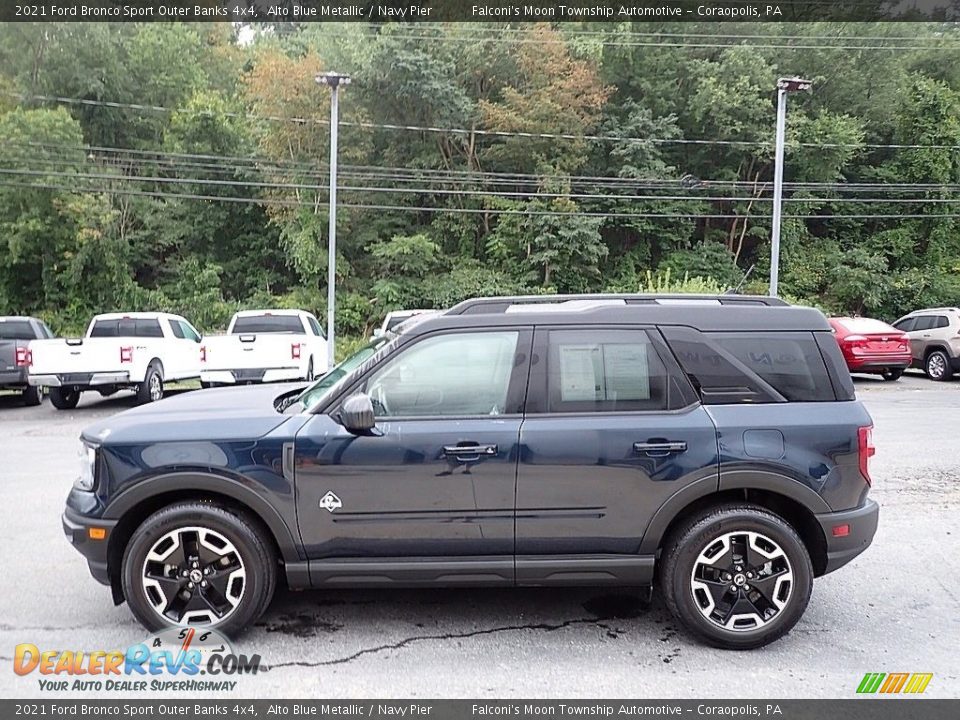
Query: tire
(892, 375)
(687, 551)
(63, 399)
(32, 395)
(937, 366)
(247, 551)
(151, 389)
(310, 370)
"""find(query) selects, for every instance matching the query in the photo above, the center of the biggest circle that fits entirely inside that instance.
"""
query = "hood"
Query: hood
(217, 414)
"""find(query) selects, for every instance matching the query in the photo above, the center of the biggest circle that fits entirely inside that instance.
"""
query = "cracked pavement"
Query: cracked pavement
(894, 609)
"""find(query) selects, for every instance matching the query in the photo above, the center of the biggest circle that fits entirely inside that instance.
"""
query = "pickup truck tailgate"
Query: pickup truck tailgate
(248, 352)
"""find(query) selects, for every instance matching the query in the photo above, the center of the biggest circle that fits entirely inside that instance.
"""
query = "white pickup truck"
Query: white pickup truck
(265, 346)
(137, 350)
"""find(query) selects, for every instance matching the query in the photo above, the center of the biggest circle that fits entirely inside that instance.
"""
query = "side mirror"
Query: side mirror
(356, 414)
(378, 332)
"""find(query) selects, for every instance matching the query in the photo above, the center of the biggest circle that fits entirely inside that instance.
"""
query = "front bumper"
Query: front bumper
(251, 375)
(862, 524)
(81, 379)
(77, 529)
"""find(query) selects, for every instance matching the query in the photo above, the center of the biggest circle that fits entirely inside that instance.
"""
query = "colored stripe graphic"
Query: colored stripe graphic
(918, 682)
(870, 682)
(894, 682)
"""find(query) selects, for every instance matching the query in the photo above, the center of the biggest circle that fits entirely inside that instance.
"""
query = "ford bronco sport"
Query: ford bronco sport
(711, 446)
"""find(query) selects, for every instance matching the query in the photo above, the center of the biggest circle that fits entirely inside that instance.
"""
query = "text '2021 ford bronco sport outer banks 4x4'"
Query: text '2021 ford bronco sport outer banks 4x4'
(712, 443)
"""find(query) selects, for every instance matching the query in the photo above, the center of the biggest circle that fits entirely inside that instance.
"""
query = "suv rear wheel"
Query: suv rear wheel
(198, 564)
(737, 576)
(937, 366)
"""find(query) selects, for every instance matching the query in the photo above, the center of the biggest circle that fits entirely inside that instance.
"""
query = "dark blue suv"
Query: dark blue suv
(710, 445)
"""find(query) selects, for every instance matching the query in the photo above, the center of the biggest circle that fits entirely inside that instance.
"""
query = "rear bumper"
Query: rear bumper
(13, 378)
(877, 363)
(77, 529)
(81, 379)
(862, 524)
(251, 375)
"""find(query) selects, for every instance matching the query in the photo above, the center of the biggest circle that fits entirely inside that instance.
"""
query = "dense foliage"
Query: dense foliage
(184, 167)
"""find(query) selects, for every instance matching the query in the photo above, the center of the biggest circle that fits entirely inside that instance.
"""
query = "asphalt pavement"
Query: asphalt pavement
(896, 608)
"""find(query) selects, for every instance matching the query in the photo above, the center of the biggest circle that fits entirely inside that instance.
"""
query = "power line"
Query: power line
(475, 211)
(473, 39)
(484, 133)
(531, 195)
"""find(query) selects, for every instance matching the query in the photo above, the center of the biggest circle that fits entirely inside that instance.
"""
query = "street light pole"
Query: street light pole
(334, 81)
(784, 86)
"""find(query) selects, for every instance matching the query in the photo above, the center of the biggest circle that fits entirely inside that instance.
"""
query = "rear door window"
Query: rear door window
(925, 322)
(315, 326)
(188, 331)
(604, 371)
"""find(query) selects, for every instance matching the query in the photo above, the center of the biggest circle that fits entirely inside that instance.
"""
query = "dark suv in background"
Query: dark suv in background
(710, 445)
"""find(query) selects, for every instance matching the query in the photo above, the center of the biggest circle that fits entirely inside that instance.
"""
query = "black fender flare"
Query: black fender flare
(732, 480)
(197, 481)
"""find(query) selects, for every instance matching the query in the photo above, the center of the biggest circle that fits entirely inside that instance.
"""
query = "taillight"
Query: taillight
(856, 342)
(126, 354)
(203, 353)
(865, 451)
(24, 357)
(295, 351)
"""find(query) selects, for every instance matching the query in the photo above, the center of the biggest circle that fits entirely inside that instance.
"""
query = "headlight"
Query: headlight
(88, 461)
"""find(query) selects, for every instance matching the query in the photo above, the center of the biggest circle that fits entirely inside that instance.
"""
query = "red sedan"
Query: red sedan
(872, 346)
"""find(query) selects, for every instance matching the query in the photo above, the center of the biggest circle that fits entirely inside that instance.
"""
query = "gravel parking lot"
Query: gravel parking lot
(894, 609)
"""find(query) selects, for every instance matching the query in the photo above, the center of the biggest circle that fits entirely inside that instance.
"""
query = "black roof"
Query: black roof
(703, 312)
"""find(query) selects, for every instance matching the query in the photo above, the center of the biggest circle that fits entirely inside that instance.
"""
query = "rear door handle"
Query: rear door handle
(660, 449)
(469, 452)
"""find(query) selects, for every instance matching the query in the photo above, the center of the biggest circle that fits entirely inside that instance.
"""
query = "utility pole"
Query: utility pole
(784, 86)
(334, 81)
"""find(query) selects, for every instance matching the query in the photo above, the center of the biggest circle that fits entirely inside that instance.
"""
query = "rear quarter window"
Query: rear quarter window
(753, 367)
(790, 362)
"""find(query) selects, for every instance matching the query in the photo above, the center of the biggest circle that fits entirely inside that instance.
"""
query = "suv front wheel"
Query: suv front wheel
(737, 576)
(196, 563)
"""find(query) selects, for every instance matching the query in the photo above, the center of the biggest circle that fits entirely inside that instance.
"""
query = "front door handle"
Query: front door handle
(469, 452)
(660, 448)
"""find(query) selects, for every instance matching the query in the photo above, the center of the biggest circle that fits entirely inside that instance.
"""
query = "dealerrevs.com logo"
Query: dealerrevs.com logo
(173, 660)
(894, 683)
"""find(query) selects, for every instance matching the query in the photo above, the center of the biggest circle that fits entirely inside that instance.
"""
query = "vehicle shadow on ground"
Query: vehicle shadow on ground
(89, 401)
(446, 613)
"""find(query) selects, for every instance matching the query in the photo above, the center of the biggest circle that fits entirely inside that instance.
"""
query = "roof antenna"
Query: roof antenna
(746, 276)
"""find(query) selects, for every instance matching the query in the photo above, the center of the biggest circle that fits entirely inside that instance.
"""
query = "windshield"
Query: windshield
(313, 394)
